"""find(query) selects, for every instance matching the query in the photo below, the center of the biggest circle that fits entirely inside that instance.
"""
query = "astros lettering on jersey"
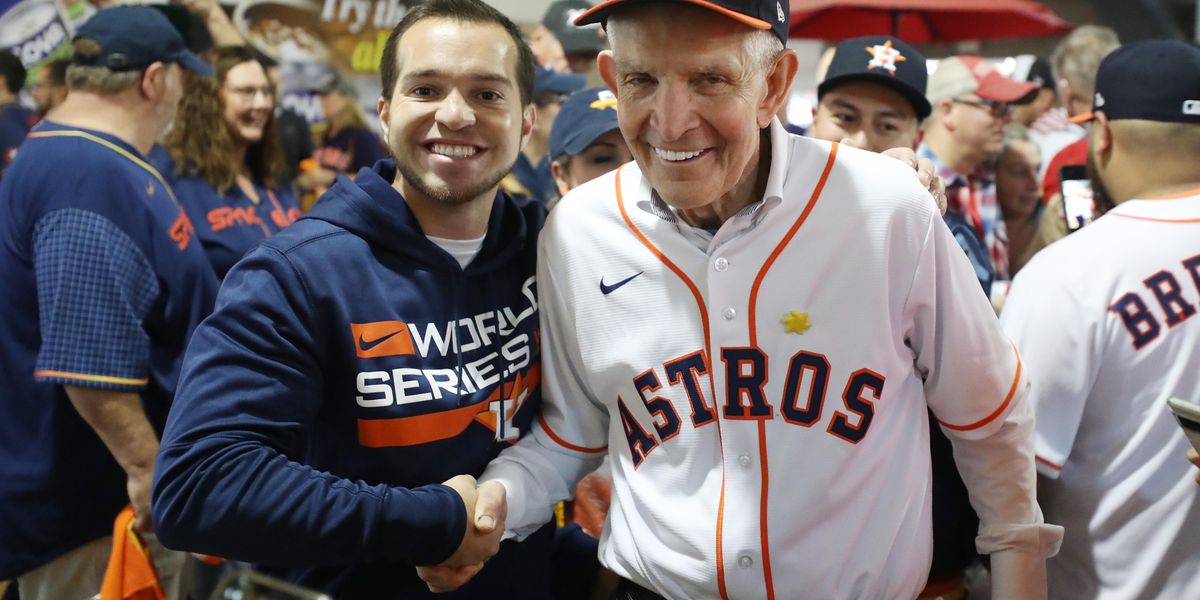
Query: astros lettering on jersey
(764, 402)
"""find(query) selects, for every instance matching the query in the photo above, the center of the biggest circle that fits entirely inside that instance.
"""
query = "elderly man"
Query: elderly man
(1106, 318)
(751, 325)
(104, 282)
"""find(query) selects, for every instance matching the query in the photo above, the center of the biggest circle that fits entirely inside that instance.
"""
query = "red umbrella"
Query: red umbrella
(924, 21)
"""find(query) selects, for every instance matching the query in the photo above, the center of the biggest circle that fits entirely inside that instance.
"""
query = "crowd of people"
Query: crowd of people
(517, 337)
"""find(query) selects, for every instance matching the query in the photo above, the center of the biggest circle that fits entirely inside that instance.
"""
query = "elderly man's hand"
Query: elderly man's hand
(486, 510)
(924, 168)
(1195, 458)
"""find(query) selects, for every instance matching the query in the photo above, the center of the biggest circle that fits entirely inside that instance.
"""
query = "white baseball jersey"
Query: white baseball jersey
(764, 401)
(1106, 322)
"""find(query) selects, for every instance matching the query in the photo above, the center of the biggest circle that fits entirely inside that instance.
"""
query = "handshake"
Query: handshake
(486, 510)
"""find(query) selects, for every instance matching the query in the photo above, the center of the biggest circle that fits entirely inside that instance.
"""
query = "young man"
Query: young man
(1106, 319)
(379, 346)
(873, 95)
(751, 325)
(104, 282)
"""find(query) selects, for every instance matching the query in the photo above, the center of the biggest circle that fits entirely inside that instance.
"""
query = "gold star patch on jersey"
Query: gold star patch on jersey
(885, 57)
(795, 322)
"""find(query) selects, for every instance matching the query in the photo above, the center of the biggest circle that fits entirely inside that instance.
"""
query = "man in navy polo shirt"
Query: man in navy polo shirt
(103, 285)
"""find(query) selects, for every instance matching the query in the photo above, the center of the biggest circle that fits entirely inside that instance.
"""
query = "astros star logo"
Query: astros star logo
(795, 322)
(885, 57)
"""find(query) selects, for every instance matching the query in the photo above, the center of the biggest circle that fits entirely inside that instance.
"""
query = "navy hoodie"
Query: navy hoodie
(350, 367)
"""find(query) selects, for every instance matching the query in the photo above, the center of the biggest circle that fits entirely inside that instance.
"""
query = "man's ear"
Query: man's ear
(943, 112)
(383, 109)
(560, 178)
(154, 81)
(528, 118)
(779, 85)
(1101, 139)
(608, 69)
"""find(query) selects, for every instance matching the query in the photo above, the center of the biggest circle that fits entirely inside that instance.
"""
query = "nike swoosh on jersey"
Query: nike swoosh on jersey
(608, 289)
(366, 346)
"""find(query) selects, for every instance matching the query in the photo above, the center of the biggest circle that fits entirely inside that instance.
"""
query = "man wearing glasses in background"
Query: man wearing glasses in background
(972, 104)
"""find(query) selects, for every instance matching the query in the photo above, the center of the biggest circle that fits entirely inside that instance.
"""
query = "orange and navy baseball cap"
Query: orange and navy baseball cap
(884, 60)
(1156, 80)
(766, 15)
(958, 76)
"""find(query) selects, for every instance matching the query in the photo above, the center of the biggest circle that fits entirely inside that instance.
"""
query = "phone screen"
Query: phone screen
(1079, 206)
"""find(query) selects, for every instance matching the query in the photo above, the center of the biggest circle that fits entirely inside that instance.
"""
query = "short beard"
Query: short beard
(445, 196)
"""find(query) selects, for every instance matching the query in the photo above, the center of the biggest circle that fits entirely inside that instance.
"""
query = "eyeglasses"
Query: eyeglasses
(999, 110)
(249, 92)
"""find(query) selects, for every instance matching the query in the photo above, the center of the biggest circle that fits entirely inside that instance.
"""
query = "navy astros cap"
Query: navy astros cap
(770, 15)
(1157, 80)
(884, 60)
(133, 37)
(583, 118)
(559, 19)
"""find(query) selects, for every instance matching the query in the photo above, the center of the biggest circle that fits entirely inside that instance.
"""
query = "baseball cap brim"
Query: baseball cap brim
(998, 88)
(188, 60)
(914, 96)
(583, 137)
(600, 12)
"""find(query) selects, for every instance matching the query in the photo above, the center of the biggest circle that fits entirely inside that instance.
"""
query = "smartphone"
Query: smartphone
(1079, 205)
(1188, 415)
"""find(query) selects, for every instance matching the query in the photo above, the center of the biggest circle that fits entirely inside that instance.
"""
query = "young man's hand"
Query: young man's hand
(486, 508)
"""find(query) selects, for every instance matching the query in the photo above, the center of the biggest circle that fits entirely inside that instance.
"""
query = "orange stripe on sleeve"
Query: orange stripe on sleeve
(564, 443)
(1048, 463)
(1012, 391)
(91, 378)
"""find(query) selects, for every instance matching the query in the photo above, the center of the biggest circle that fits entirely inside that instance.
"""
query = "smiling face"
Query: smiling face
(693, 101)
(875, 117)
(454, 120)
(248, 100)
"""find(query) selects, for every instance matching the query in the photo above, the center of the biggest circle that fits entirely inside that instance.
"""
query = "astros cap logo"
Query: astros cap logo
(885, 57)
(604, 99)
(381, 338)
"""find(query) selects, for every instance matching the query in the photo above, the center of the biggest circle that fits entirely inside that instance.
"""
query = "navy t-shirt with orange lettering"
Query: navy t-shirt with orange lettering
(104, 282)
(228, 225)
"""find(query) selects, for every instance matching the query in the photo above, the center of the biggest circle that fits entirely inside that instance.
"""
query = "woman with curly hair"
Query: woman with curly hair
(223, 158)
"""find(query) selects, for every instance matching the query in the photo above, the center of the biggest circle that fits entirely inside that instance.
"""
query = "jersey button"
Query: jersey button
(744, 460)
(729, 313)
(721, 264)
(745, 562)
